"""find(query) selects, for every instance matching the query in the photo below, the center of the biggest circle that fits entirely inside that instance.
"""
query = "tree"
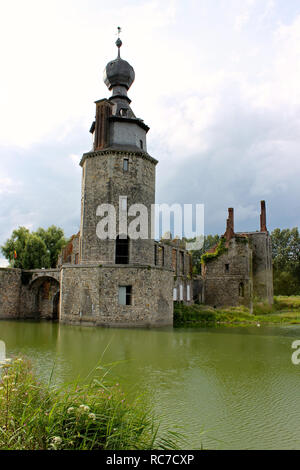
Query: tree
(54, 239)
(42, 250)
(36, 255)
(286, 261)
(16, 244)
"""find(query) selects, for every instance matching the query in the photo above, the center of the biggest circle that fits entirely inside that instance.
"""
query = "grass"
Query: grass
(93, 416)
(285, 310)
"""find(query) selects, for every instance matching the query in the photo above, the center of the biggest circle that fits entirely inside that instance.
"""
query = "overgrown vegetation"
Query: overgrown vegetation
(219, 250)
(209, 242)
(284, 310)
(79, 417)
(34, 250)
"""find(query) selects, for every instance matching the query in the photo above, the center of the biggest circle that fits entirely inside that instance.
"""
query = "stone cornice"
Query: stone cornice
(118, 151)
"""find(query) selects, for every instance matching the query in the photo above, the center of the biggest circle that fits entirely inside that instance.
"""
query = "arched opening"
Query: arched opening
(122, 250)
(56, 297)
(45, 298)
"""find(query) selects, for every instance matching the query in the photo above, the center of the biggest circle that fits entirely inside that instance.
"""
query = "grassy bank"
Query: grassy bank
(35, 416)
(285, 310)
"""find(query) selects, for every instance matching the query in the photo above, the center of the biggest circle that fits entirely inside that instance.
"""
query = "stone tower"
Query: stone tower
(118, 171)
(118, 280)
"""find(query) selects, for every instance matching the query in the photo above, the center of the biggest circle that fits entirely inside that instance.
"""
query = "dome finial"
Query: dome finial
(119, 42)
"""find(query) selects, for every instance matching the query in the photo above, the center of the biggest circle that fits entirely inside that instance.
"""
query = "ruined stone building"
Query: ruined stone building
(119, 281)
(239, 270)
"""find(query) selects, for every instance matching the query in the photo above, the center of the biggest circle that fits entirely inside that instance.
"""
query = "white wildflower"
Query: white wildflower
(92, 416)
(57, 440)
(85, 408)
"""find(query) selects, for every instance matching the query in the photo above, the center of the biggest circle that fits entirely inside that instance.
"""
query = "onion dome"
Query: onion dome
(118, 72)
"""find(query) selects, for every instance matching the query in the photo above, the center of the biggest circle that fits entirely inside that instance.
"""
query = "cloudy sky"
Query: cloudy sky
(218, 82)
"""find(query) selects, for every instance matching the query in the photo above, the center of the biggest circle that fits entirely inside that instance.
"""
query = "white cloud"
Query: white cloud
(75, 159)
(3, 263)
(223, 107)
(241, 20)
(6, 185)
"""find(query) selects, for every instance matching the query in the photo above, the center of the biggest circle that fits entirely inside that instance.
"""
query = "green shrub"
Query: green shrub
(79, 417)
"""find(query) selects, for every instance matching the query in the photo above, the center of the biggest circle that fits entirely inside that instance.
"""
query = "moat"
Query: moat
(224, 388)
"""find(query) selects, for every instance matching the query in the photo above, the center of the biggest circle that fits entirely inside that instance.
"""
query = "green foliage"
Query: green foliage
(209, 242)
(16, 242)
(36, 254)
(34, 416)
(286, 261)
(220, 249)
(289, 303)
(54, 240)
(203, 315)
(285, 310)
(34, 250)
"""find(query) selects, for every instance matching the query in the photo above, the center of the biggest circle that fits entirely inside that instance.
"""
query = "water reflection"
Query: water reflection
(237, 384)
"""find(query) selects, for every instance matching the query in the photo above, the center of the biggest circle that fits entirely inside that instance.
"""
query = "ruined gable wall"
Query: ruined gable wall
(230, 286)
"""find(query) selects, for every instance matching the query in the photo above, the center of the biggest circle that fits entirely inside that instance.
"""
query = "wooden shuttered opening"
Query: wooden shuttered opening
(103, 113)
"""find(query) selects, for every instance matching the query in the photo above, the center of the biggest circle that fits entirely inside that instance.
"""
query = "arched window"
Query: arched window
(242, 290)
(122, 250)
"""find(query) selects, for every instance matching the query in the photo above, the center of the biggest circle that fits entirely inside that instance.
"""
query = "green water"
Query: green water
(238, 385)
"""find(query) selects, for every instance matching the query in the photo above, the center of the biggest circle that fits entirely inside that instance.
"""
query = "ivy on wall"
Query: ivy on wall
(220, 249)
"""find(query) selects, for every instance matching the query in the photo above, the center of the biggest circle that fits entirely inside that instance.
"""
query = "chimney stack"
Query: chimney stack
(230, 225)
(263, 217)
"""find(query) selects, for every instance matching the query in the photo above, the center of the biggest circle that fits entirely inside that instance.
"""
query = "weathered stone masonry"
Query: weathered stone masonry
(90, 296)
(243, 274)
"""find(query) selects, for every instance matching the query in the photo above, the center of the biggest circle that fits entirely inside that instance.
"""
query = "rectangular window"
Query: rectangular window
(125, 164)
(226, 268)
(181, 292)
(188, 293)
(141, 144)
(155, 255)
(182, 262)
(175, 294)
(76, 258)
(125, 295)
(162, 256)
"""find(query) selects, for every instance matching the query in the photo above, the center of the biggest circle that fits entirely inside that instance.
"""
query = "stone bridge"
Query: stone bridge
(35, 274)
(40, 293)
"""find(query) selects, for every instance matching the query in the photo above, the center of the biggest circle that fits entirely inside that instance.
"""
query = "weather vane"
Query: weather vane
(119, 42)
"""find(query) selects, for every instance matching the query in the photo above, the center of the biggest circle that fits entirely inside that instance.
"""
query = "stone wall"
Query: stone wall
(10, 288)
(262, 266)
(103, 182)
(90, 295)
(228, 277)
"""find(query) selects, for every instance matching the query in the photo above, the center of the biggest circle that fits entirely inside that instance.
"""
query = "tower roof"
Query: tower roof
(118, 72)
